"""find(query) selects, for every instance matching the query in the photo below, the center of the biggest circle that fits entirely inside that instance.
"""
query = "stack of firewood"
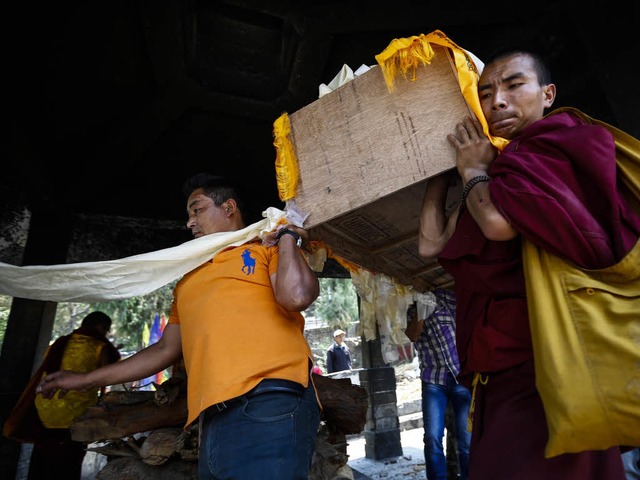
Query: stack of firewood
(142, 435)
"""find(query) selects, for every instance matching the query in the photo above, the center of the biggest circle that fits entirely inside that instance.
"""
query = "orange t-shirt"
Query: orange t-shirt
(233, 332)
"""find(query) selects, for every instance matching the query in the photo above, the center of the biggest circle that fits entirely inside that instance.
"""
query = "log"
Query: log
(344, 410)
(98, 424)
(126, 468)
(171, 453)
(118, 397)
(344, 405)
(169, 390)
(187, 444)
(118, 448)
(329, 462)
(160, 445)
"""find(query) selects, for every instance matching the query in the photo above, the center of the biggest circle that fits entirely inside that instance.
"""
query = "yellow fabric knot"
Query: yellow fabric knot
(407, 54)
(404, 56)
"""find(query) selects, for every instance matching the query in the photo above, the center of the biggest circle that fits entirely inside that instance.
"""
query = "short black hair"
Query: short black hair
(97, 319)
(219, 189)
(543, 72)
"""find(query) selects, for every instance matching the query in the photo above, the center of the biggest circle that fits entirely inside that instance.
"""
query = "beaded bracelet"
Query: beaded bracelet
(472, 183)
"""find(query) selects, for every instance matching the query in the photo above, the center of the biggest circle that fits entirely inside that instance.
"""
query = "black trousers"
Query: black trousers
(56, 455)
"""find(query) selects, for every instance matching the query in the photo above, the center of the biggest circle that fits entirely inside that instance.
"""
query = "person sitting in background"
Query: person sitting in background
(338, 355)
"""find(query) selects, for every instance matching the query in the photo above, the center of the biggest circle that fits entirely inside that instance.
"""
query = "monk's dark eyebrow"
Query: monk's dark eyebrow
(513, 77)
(504, 80)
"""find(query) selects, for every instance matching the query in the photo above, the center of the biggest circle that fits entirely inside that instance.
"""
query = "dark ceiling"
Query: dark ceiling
(109, 106)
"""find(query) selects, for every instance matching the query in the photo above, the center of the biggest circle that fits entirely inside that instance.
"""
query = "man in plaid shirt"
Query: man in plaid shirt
(439, 368)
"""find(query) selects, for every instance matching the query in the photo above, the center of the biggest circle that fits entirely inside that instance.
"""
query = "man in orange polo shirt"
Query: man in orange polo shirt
(257, 407)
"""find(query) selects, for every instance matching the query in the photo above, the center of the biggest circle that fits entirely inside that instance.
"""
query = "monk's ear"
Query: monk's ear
(549, 92)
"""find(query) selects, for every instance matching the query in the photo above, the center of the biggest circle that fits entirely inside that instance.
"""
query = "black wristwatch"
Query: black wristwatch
(295, 235)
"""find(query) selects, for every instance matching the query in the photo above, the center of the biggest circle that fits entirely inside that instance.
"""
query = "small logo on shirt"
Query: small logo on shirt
(249, 266)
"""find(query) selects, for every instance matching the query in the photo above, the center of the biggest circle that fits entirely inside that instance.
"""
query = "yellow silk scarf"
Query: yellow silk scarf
(404, 55)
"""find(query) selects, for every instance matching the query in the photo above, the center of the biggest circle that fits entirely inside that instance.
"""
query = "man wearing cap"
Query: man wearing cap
(338, 356)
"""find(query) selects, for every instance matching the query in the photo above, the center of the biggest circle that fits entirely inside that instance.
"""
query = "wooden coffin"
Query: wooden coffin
(365, 155)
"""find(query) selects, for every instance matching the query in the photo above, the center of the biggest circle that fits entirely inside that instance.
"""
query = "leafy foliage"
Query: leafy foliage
(337, 304)
(5, 308)
(129, 316)
(337, 307)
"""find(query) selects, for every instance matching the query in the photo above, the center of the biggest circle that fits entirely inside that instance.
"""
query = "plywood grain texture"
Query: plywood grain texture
(365, 155)
(383, 237)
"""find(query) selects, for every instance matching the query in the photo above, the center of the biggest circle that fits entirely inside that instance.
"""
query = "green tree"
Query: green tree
(129, 316)
(337, 304)
(5, 308)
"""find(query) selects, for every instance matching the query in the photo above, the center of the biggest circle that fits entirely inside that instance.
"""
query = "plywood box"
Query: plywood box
(383, 237)
(364, 155)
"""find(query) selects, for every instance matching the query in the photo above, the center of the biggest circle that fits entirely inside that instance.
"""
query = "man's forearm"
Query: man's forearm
(433, 232)
(296, 285)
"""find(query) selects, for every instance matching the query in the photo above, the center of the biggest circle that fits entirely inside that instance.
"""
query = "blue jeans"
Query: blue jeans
(434, 406)
(271, 435)
(631, 461)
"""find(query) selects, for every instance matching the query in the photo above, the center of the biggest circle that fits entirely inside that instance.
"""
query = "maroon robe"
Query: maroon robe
(556, 184)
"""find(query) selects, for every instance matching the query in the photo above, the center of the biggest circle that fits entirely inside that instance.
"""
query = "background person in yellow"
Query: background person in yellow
(258, 409)
(47, 426)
